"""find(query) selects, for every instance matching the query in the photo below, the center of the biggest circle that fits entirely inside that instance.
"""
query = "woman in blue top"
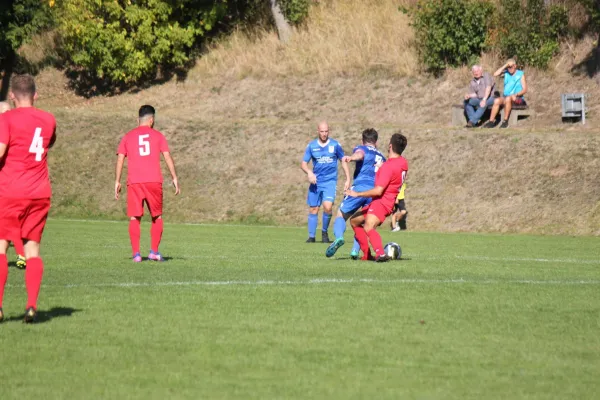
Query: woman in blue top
(515, 86)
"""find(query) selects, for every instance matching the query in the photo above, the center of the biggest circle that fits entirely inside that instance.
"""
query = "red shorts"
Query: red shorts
(24, 218)
(377, 209)
(138, 193)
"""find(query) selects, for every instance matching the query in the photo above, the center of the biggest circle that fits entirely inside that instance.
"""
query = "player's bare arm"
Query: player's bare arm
(52, 140)
(357, 156)
(312, 178)
(377, 191)
(2, 150)
(347, 174)
(171, 166)
(118, 173)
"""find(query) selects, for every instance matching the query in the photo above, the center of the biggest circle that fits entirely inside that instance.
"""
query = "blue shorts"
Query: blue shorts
(350, 204)
(319, 194)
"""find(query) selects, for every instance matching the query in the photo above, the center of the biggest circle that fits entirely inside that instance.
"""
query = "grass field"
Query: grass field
(254, 312)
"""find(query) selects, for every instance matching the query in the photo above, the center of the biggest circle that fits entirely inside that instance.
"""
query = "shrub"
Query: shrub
(295, 11)
(528, 31)
(449, 32)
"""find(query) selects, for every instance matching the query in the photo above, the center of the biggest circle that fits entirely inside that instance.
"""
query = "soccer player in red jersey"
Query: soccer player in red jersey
(26, 134)
(143, 146)
(388, 181)
(17, 242)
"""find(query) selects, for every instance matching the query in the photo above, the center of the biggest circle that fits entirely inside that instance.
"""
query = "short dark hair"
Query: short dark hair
(22, 85)
(146, 111)
(398, 142)
(370, 135)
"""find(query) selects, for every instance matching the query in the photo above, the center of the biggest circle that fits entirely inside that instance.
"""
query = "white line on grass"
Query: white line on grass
(321, 281)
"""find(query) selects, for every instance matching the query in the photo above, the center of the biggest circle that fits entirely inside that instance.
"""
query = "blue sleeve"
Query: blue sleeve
(307, 154)
(339, 151)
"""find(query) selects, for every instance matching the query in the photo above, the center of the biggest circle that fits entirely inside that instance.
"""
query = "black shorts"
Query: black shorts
(399, 206)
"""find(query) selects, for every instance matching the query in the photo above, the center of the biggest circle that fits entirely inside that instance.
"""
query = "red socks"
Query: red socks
(33, 280)
(134, 235)
(18, 243)
(156, 232)
(375, 239)
(3, 275)
(363, 240)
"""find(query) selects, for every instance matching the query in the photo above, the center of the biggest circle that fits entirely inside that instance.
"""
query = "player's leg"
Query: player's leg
(357, 221)
(327, 213)
(374, 217)
(135, 211)
(18, 245)
(348, 207)
(9, 228)
(32, 228)
(329, 193)
(154, 197)
(3, 272)
(313, 200)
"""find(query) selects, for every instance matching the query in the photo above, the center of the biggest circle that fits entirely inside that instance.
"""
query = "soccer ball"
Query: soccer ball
(393, 250)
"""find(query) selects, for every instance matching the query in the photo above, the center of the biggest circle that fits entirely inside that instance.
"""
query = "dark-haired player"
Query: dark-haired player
(368, 159)
(26, 134)
(388, 181)
(143, 147)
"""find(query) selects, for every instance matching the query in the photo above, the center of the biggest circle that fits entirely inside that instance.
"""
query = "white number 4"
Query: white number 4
(37, 144)
(144, 145)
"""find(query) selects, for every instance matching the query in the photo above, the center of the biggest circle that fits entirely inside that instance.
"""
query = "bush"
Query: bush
(528, 31)
(124, 41)
(295, 11)
(450, 32)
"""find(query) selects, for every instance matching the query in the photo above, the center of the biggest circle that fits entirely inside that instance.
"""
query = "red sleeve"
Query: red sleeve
(164, 147)
(4, 135)
(122, 149)
(384, 175)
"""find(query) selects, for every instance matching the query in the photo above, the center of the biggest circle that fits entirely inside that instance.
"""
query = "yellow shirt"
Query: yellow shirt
(401, 194)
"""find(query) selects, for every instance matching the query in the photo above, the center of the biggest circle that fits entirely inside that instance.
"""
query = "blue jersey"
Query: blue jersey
(364, 173)
(325, 159)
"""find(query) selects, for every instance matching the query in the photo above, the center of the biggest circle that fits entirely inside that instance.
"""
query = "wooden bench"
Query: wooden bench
(459, 117)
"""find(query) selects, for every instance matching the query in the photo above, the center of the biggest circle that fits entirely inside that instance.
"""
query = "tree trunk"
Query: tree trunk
(284, 30)
(6, 67)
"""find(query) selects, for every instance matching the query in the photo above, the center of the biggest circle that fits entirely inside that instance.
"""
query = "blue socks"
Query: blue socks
(326, 219)
(312, 224)
(339, 227)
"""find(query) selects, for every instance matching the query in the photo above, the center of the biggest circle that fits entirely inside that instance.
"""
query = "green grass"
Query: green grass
(254, 312)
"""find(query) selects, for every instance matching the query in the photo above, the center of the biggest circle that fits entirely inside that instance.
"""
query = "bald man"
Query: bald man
(479, 97)
(324, 153)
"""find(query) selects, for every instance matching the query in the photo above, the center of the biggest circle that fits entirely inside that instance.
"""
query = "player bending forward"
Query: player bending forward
(26, 134)
(388, 180)
(143, 147)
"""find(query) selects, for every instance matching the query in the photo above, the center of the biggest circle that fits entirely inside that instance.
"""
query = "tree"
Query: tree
(19, 21)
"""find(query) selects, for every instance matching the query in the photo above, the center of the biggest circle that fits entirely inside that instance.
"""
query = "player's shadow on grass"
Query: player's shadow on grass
(47, 315)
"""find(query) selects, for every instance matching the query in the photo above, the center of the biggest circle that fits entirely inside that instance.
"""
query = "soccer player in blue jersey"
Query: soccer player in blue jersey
(324, 153)
(368, 159)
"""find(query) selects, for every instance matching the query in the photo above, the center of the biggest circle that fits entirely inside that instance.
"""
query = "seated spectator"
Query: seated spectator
(515, 86)
(479, 97)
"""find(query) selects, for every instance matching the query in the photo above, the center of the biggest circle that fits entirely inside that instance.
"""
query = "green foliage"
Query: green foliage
(593, 9)
(20, 20)
(528, 31)
(449, 32)
(295, 11)
(124, 41)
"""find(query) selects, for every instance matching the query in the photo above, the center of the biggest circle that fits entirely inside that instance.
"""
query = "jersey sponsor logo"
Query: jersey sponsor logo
(325, 160)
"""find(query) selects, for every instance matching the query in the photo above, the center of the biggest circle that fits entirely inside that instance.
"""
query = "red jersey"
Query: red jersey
(143, 147)
(28, 133)
(391, 176)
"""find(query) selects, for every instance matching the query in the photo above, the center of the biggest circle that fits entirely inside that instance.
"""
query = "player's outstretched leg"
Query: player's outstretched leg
(3, 278)
(156, 232)
(355, 252)
(134, 236)
(339, 227)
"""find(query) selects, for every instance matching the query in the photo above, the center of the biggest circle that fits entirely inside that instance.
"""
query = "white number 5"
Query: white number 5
(144, 145)
(37, 144)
